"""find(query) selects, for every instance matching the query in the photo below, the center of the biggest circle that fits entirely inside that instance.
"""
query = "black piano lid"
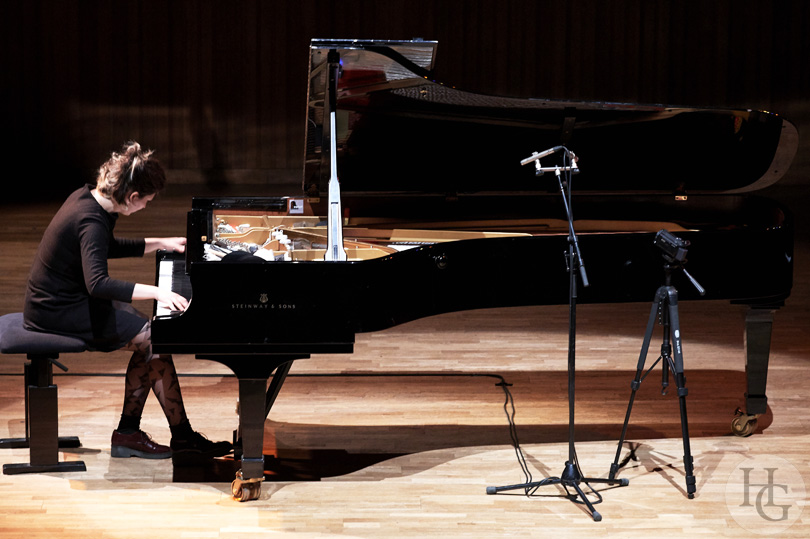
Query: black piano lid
(399, 131)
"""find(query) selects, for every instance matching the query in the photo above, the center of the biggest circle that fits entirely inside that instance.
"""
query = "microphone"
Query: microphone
(535, 156)
(574, 167)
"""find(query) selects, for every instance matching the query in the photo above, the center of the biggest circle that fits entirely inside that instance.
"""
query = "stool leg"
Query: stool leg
(43, 434)
(42, 423)
(32, 377)
(28, 380)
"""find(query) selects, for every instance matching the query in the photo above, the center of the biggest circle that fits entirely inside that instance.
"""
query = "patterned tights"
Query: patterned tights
(156, 372)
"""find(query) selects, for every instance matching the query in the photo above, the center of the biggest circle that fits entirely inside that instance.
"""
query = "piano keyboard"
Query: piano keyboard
(171, 275)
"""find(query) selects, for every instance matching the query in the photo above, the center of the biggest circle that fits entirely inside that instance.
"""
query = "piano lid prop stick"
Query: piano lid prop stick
(334, 231)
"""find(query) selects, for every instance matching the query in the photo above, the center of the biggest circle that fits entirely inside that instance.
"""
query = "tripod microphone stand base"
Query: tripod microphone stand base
(571, 477)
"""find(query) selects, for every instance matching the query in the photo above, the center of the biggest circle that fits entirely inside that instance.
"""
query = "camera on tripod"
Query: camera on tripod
(674, 248)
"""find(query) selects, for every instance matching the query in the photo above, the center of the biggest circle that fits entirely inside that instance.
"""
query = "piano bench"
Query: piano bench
(41, 412)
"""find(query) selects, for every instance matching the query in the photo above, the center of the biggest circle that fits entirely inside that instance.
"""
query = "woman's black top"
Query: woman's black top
(70, 291)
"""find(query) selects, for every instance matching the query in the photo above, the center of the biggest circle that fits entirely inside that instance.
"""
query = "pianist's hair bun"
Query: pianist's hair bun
(133, 169)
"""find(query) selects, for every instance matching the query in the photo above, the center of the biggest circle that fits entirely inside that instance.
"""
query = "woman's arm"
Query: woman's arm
(174, 301)
(167, 244)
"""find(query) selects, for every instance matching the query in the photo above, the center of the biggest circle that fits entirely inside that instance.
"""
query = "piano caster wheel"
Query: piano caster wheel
(743, 424)
(246, 490)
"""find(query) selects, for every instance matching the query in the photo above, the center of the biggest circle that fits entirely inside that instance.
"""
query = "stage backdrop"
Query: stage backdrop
(218, 88)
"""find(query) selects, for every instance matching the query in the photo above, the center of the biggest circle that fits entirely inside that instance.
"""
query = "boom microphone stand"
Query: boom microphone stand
(571, 476)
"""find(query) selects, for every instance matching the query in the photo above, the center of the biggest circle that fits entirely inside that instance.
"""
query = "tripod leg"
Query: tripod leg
(688, 461)
(680, 380)
(594, 513)
(656, 305)
(666, 352)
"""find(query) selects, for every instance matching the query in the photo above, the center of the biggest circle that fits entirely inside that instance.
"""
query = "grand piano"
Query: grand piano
(413, 185)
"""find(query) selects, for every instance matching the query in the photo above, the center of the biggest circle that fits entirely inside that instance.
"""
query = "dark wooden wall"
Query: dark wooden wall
(218, 87)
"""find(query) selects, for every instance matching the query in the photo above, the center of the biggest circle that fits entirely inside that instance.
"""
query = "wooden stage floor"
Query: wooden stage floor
(402, 438)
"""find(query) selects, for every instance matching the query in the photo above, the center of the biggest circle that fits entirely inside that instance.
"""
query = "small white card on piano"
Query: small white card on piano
(295, 206)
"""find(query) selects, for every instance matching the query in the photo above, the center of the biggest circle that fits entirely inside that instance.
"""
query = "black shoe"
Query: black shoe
(137, 444)
(197, 448)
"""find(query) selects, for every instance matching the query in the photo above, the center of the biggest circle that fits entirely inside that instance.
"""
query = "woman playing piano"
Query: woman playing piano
(70, 292)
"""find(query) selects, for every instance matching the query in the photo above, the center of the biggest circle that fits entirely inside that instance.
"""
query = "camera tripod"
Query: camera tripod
(665, 310)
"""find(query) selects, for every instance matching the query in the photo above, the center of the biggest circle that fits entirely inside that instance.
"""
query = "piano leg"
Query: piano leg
(247, 485)
(255, 400)
(758, 325)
